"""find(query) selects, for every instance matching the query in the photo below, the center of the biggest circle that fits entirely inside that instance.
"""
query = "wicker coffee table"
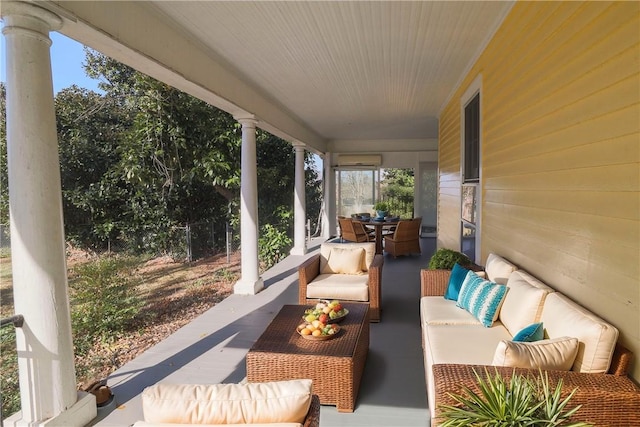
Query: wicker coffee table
(334, 365)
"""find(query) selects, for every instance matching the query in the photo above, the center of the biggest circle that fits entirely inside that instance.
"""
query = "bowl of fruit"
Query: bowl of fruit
(326, 311)
(318, 331)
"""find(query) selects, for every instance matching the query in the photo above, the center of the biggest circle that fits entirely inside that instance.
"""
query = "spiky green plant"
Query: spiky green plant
(519, 401)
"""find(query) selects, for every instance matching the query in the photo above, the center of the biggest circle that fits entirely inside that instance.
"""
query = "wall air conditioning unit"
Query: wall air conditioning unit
(359, 160)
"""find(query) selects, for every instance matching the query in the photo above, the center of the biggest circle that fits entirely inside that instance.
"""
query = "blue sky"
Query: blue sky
(67, 57)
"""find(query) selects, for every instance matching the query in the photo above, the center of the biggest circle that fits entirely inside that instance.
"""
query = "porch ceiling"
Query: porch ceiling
(342, 71)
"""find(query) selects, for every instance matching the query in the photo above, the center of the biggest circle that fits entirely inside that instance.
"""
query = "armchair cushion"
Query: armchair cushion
(220, 404)
(345, 260)
(369, 253)
(351, 287)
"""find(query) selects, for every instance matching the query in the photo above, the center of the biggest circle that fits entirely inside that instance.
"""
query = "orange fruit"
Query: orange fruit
(316, 333)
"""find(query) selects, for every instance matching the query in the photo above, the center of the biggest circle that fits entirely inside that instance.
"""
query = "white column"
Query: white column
(250, 282)
(329, 199)
(299, 206)
(45, 348)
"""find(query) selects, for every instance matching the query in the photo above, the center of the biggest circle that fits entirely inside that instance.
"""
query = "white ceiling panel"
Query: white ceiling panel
(349, 70)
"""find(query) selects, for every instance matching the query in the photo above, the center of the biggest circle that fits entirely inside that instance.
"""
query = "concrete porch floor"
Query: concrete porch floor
(212, 349)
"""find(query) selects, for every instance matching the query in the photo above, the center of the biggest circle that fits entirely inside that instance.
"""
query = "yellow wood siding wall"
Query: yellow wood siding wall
(560, 153)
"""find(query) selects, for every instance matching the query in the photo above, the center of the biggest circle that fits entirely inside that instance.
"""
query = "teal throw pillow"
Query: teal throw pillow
(481, 298)
(458, 274)
(531, 333)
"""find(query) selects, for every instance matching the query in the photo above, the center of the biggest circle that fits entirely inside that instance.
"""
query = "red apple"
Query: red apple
(324, 318)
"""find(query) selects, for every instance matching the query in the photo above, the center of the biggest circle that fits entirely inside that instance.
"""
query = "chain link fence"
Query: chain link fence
(187, 243)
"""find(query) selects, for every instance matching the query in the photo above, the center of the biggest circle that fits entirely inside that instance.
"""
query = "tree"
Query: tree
(397, 189)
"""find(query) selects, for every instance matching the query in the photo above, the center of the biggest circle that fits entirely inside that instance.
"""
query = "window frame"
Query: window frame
(474, 90)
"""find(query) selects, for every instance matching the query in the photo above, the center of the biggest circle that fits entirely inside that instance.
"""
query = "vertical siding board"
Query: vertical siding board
(560, 153)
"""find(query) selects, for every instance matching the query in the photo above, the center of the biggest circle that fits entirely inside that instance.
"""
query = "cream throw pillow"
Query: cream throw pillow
(344, 261)
(555, 354)
(250, 403)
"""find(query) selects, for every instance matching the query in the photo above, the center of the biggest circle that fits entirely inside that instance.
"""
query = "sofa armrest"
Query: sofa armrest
(308, 270)
(605, 399)
(313, 416)
(433, 283)
(621, 360)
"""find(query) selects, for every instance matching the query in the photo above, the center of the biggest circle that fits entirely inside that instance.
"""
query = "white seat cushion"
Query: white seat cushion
(498, 269)
(220, 404)
(339, 286)
(523, 303)
(563, 317)
(439, 311)
(146, 424)
(464, 344)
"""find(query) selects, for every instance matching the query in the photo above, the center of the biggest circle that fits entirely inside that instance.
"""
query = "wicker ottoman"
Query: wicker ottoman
(334, 365)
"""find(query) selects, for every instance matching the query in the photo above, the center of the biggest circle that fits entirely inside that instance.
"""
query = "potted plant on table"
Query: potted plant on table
(382, 209)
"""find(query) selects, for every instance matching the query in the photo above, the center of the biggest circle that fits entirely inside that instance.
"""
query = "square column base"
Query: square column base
(248, 287)
(79, 415)
(298, 250)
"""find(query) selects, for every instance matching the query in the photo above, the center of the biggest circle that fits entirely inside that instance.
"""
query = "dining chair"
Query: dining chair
(405, 239)
(354, 231)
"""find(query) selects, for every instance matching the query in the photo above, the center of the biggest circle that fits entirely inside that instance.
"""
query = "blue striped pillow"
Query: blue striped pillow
(481, 298)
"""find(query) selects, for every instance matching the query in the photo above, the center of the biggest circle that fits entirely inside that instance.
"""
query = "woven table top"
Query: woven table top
(281, 336)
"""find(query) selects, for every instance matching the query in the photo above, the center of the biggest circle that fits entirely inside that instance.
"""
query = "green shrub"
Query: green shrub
(9, 386)
(445, 259)
(520, 401)
(104, 301)
(273, 245)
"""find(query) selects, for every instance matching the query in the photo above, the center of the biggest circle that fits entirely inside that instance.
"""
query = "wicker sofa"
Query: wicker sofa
(270, 404)
(455, 343)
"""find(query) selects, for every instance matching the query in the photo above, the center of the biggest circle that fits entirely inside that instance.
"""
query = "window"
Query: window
(471, 170)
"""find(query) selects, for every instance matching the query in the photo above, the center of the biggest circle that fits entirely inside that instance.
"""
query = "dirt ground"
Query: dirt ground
(174, 292)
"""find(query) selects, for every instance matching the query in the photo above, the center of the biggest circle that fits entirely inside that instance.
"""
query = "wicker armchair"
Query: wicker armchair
(354, 231)
(310, 270)
(406, 238)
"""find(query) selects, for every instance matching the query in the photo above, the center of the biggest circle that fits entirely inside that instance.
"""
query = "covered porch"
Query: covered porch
(554, 186)
(214, 347)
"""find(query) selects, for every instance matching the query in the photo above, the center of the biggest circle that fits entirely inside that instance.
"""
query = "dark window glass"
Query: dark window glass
(472, 140)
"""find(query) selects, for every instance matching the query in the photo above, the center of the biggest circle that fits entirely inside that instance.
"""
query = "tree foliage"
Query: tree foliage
(143, 158)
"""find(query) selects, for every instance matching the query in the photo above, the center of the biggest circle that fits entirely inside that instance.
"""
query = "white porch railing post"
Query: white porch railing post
(44, 344)
(250, 282)
(299, 204)
(329, 199)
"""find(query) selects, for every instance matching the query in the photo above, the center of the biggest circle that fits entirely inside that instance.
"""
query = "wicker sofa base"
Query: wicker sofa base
(607, 400)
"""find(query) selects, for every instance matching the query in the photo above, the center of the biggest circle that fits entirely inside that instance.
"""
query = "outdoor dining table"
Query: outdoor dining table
(378, 225)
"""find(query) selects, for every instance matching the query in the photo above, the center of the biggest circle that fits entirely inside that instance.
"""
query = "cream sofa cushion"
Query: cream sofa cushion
(563, 317)
(555, 354)
(439, 311)
(350, 287)
(220, 404)
(522, 305)
(146, 424)
(498, 269)
(344, 261)
(464, 344)
(369, 253)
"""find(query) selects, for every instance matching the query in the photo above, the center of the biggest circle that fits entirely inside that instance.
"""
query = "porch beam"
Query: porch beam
(299, 204)
(44, 343)
(250, 282)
